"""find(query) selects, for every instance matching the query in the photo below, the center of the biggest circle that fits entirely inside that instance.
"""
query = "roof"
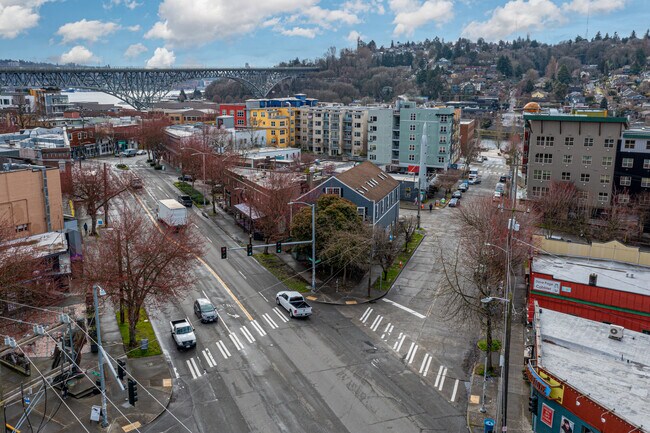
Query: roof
(41, 245)
(249, 211)
(369, 181)
(610, 275)
(170, 203)
(641, 133)
(580, 352)
(573, 118)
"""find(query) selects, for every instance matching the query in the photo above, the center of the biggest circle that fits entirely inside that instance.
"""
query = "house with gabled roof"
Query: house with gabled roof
(374, 192)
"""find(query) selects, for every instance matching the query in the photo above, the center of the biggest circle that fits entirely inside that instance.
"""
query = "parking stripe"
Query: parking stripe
(223, 349)
(270, 321)
(442, 380)
(236, 341)
(258, 328)
(453, 394)
(247, 334)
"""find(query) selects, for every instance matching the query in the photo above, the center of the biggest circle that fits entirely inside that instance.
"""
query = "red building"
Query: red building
(236, 110)
(603, 291)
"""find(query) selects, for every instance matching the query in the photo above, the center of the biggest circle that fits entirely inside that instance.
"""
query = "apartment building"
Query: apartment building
(632, 167)
(237, 111)
(571, 148)
(277, 117)
(401, 147)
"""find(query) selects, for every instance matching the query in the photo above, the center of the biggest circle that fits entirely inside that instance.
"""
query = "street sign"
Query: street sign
(27, 400)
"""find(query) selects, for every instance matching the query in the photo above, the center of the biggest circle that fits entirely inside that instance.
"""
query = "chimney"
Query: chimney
(593, 279)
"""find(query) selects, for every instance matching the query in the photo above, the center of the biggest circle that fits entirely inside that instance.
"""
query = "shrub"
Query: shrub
(157, 167)
(122, 166)
(496, 345)
(196, 196)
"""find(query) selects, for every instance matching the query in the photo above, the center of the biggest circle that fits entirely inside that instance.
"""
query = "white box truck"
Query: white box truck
(172, 213)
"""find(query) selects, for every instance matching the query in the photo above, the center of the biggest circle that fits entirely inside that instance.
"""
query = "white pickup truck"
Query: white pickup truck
(183, 333)
(294, 303)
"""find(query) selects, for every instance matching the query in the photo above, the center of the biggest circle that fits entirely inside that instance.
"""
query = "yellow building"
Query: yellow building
(279, 123)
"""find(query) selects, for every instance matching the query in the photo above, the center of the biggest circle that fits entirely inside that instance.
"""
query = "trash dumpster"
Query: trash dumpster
(488, 425)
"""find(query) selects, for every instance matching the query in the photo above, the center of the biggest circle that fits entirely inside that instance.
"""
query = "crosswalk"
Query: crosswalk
(413, 350)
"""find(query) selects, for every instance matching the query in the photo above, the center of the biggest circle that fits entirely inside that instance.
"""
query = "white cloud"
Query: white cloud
(353, 36)
(131, 4)
(86, 30)
(135, 28)
(327, 17)
(78, 54)
(594, 6)
(411, 14)
(135, 50)
(516, 16)
(300, 31)
(17, 16)
(162, 58)
(358, 6)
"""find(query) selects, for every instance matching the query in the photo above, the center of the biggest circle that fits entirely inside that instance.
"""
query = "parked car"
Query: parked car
(205, 311)
(185, 200)
(457, 194)
(185, 178)
(504, 178)
(484, 158)
(464, 186)
(454, 202)
(141, 152)
(136, 182)
(294, 303)
(475, 181)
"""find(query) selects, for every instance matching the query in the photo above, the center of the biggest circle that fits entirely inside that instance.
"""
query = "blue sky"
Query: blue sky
(231, 33)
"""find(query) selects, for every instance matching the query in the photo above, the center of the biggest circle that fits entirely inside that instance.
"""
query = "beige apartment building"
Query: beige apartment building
(30, 200)
(574, 148)
(333, 130)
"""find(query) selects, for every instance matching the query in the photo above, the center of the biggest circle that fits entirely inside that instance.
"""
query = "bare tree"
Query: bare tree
(94, 188)
(447, 180)
(407, 227)
(147, 264)
(347, 251)
(385, 248)
(151, 136)
(554, 208)
(620, 221)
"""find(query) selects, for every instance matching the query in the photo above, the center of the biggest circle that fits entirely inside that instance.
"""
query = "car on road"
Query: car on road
(474, 181)
(454, 202)
(294, 303)
(457, 194)
(185, 200)
(205, 311)
(497, 196)
(463, 187)
(185, 178)
(484, 158)
(504, 178)
(141, 152)
(183, 333)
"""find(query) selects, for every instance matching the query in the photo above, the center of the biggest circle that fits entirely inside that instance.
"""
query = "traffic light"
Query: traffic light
(120, 369)
(224, 252)
(133, 391)
(249, 249)
(532, 403)
(278, 247)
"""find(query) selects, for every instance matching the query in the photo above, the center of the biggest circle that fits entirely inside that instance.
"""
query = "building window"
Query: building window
(444, 118)
(412, 137)
(607, 161)
(232, 112)
(443, 139)
(589, 141)
(361, 211)
(583, 195)
(545, 141)
(566, 175)
(273, 132)
(443, 129)
(413, 116)
(567, 159)
(372, 157)
(442, 149)
(282, 141)
(627, 162)
(411, 157)
(609, 143)
(412, 127)
(541, 174)
(645, 182)
(626, 180)
(544, 158)
(540, 191)
(584, 177)
(411, 147)
(644, 199)
(357, 134)
(22, 228)
(603, 197)
(646, 164)
(628, 144)
(273, 124)
(254, 113)
(240, 121)
(586, 159)
(441, 159)
(647, 145)
(623, 198)
(568, 141)
(373, 118)
(333, 190)
(605, 178)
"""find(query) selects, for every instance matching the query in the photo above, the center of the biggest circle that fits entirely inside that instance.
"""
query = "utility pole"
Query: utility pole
(313, 241)
(105, 194)
(102, 381)
(422, 171)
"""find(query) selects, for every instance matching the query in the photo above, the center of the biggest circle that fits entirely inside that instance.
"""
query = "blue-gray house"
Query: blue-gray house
(374, 192)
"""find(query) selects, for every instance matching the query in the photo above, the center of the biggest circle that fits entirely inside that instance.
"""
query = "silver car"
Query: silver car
(205, 311)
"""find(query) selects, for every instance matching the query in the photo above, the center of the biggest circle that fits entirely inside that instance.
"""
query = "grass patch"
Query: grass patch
(196, 196)
(282, 272)
(479, 370)
(142, 330)
(403, 257)
(122, 166)
(496, 345)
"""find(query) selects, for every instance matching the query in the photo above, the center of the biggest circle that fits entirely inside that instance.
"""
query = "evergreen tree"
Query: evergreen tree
(197, 94)
(603, 103)
(504, 65)
(598, 37)
(563, 75)
(529, 86)
(182, 97)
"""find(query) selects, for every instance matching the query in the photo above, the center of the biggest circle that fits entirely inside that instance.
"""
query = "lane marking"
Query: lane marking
(424, 362)
(365, 313)
(263, 296)
(376, 323)
(442, 379)
(236, 342)
(426, 369)
(270, 321)
(282, 317)
(259, 329)
(209, 240)
(363, 319)
(240, 273)
(407, 309)
(453, 394)
(401, 341)
(223, 349)
(247, 334)
(435, 385)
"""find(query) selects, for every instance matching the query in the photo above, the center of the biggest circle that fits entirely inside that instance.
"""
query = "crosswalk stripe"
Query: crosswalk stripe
(435, 385)
(196, 367)
(442, 379)
(247, 334)
(189, 365)
(208, 358)
(223, 349)
(410, 356)
(280, 315)
(258, 328)
(376, 323)
(363, 319)
(400, 341)
(365, 313)
(453, 394)
(270, 321)
(426, 369)
(424, 362)
(236, 341)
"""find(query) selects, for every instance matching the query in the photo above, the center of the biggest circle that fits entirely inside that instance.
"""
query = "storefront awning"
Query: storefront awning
(248, 212)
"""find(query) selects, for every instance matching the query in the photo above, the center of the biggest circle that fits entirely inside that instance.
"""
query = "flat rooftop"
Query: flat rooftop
(611, 275)
(614, 373)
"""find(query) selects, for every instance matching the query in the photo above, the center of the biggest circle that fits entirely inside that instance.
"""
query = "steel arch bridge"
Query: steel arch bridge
(142, 87)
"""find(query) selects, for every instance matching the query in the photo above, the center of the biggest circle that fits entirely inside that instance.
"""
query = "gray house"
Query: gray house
(374, 192)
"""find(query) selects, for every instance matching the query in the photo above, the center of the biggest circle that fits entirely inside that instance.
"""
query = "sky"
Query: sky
(262, 33)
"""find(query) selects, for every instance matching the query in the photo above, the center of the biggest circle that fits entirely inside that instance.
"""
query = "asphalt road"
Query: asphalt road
(257, 370)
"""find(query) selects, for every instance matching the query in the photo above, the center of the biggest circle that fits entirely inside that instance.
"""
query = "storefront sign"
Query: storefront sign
(547, 415)
(543, 285)
(539, 383)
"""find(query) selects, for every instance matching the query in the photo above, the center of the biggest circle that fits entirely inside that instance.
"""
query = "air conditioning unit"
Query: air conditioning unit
(616, 332)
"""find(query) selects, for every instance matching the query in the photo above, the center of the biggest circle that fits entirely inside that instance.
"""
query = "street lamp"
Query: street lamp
(102, 383)
(313, 240)
(489, 299)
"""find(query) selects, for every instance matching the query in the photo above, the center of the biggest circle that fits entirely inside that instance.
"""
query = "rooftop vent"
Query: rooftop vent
(593, 279)
(616, 332)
